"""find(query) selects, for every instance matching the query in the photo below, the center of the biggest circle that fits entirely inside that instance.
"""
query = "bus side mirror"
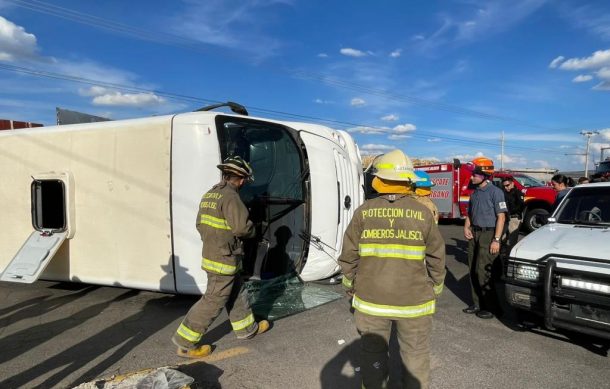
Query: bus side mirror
(456, 163)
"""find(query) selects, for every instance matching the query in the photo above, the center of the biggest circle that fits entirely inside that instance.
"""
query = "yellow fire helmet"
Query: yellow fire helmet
(394, 166)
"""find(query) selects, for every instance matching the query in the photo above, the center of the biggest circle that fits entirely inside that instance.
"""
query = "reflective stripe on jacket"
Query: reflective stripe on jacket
(222, 219)
(394, 258)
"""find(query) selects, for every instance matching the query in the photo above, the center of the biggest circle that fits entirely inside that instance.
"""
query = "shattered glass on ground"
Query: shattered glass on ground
(285, 295)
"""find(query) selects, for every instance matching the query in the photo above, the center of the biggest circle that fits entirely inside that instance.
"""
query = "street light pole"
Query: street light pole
(588, 134)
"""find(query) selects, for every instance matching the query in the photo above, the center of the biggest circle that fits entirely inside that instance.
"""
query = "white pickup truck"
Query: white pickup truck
(562, 270)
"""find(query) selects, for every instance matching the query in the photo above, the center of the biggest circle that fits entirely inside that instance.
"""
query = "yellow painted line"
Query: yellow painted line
(230, 353)
(219, 356)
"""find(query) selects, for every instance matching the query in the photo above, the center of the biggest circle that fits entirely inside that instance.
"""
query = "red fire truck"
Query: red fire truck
(452, 190)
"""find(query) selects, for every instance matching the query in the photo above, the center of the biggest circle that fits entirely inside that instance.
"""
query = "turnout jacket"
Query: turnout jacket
(223, 219)
(425, 200)
(393, 257)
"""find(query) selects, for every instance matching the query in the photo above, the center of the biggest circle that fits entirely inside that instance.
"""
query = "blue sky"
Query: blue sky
(439, 80)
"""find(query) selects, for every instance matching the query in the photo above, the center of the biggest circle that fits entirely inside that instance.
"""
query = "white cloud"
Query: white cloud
(594, 19)
(604, 85)
(93, 91)
(398, 137)
(367, 130)
(431, 159)
(488, 19)
(357, 102)
(514, 160)
(372, 148)
(128, 99)
(95, 71)
(541, 163)
(15, 42)
(603, 73)
(239, 28)
(352, 52)
(605, 134)
(108, 97)
(582, 78)
(597, 60)
(434, 139)
(389, 118)
(596, 147)
(323, 55)
(554, 63)
(321, 101)
(396, 53)
(466, 157)
(403, 128)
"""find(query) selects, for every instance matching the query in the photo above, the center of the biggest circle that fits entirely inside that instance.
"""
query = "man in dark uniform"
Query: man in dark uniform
(483, 229)
(515, 204)
(222, 221)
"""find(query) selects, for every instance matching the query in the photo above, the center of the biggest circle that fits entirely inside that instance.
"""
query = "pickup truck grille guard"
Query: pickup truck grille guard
(575, 309)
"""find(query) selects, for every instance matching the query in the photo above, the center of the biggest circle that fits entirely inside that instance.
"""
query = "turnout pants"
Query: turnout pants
(222, 291)
(481, 263)
(414, 342)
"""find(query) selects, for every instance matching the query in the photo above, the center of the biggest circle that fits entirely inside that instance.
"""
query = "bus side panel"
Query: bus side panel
(121, 199)
(195, 154)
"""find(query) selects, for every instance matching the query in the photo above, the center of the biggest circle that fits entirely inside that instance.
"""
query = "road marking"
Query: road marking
(214, 357)
(219, 356)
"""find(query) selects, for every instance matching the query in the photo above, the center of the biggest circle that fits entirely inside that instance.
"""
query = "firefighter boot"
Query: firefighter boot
(263, 326)
(194, 353)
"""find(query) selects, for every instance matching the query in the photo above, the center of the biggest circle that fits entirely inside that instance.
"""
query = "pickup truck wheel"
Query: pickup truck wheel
(531, 221)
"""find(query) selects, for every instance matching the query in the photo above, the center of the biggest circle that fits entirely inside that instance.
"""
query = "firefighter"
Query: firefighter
(222, 221)
(393, 264)
(423, 190)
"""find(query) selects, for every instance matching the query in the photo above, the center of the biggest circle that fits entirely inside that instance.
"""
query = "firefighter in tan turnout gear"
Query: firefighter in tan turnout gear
(393, 264)
(222, 221)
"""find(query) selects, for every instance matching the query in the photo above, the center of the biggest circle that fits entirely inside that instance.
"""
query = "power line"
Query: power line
(178, 41)
(192, 99)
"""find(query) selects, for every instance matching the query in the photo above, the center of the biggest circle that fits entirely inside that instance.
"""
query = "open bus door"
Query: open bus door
(50, 193)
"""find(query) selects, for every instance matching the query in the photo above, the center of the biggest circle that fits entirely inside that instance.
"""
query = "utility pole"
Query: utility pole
(502, 153)
(588, 134)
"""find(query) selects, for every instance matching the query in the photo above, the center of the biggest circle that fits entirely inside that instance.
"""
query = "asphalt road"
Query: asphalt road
(61, 335)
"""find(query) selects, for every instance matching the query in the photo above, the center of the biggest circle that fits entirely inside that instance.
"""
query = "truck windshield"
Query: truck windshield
(586, 205)
(527, 181)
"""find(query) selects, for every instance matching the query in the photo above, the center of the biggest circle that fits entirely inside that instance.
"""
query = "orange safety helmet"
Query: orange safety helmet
(486, 164)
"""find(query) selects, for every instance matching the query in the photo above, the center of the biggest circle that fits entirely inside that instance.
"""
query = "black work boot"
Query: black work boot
(471, 309)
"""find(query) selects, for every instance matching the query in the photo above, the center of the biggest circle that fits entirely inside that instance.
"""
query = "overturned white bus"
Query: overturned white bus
(115, 203)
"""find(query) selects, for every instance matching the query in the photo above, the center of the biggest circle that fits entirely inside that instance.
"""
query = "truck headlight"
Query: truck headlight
(585, 285)
(527, 272)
